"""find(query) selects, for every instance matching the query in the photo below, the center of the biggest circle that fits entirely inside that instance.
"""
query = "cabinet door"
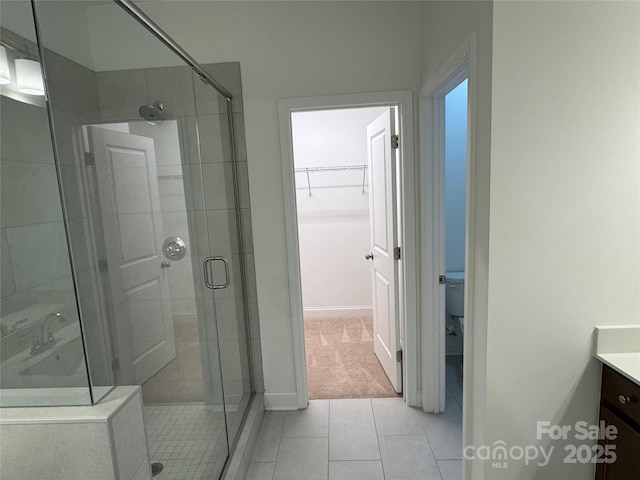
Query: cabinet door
(627, 448)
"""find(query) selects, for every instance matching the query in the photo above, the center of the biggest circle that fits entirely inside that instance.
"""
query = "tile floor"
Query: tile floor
(189, 440)
(363, 439)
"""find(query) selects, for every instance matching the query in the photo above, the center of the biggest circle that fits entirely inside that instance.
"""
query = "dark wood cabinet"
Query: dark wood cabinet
(620, 407)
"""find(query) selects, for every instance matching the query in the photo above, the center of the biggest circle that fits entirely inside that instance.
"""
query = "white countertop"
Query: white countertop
(627, 364)
(619, 348)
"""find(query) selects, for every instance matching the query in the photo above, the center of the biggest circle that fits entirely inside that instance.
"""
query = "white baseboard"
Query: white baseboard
(281, 401)
(339, 311)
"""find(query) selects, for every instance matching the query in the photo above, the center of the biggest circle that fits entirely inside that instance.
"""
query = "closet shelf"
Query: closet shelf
(333, 168)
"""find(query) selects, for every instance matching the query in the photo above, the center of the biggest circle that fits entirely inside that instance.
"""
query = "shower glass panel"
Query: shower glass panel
(146, 169)
(221, 197)
(42, 360)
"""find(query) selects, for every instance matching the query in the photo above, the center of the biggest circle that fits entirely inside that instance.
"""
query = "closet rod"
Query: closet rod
(330, 168)
(335, 168)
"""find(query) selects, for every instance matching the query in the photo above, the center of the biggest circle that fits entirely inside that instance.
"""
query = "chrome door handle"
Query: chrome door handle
(205, 266)
(368, 256)
(207, 281)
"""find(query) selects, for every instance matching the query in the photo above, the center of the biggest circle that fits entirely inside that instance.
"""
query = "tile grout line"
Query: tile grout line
(328, 436)
(275, 464)
(375, 426)
(424, 429)
(329, 402)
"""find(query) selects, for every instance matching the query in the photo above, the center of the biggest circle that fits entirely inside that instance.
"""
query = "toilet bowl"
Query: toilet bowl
(454, 296)
(454, 305)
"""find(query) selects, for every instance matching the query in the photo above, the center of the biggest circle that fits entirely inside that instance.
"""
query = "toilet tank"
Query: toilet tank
(454, 297)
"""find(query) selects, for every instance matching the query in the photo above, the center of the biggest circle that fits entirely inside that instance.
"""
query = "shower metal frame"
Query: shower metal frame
(132, 9)
(135, 11)
(142, 18)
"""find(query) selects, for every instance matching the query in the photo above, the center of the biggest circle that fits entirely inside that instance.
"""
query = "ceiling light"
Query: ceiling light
(5, 72)
(29, 77)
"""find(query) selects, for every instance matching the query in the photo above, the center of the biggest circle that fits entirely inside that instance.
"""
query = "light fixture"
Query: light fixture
(29, 77)
(5, 72)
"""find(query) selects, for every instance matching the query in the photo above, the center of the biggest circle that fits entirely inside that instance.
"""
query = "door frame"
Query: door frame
(431, 104)
(408, 185)
(432, 185)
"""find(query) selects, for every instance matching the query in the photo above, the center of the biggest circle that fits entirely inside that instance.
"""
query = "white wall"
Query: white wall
(565, 213)
(292, 49)
(455, 176)
(333, 223)
(332, 137)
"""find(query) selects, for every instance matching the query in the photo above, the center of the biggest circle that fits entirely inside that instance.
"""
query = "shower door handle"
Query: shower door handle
(207, 280)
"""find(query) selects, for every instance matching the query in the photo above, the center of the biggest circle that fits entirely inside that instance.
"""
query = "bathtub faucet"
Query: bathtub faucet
(44, 339)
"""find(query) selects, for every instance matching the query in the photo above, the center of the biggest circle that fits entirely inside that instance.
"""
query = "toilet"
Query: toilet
(454, 296)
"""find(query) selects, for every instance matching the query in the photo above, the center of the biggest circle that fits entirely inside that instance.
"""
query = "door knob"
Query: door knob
(624, 399)
(165, 264)
(369, 256)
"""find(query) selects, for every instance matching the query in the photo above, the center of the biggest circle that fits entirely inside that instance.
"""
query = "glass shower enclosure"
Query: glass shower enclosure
(124, 222)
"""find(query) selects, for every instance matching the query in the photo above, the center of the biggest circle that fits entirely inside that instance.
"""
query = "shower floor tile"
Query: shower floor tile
(189, 440)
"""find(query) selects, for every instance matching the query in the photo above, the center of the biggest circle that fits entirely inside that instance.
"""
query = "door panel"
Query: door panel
(382, 315)
(378, 171)
(382, 202)
(128, 184)
(145, 306)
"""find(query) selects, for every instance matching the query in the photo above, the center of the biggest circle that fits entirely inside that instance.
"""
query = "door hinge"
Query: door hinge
(89, 159)
(395, 141)
(103, 266)
(399, 356)
(115, 364)
(396, 253)
(441, 279)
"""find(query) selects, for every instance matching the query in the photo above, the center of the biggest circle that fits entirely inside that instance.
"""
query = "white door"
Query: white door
(383, 214)
(130, 205)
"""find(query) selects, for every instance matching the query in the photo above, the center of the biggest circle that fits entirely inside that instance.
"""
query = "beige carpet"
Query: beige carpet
(340, 359)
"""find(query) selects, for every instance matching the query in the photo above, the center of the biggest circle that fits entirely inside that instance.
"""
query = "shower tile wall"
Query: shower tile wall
(73, 98)
(117, 95)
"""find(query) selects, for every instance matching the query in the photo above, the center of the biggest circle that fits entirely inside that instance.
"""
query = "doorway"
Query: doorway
(345, 350)
(298, 185)
(455, 196)
(462, 65)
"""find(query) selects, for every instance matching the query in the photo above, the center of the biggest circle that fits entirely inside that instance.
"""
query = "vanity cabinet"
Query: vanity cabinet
(620, 407)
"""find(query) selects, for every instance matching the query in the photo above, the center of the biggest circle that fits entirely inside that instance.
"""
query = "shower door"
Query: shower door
(145, 156)
(225, 211)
